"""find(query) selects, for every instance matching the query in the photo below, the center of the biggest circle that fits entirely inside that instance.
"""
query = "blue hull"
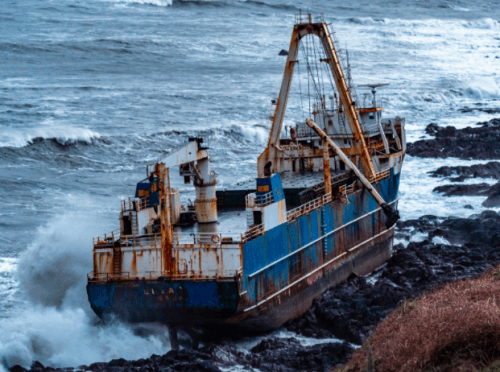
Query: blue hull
(284, 270)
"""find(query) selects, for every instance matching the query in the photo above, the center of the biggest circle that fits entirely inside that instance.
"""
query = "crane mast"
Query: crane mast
(268, 161)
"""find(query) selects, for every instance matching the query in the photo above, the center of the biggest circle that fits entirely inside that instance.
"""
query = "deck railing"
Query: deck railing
(264, 199)
(253, 232)
(107, 238)
(207, 238)
(135, 204)
(141, 240)
(153, 275)
(306, 208)
(259, 200)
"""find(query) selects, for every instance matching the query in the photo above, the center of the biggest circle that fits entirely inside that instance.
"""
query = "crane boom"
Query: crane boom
(187, 154)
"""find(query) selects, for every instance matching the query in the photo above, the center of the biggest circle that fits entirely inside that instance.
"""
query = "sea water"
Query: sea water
(92, 91)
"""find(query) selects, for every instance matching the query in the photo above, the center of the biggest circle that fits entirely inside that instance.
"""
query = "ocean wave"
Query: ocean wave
(57, 327)
(146, 2)
(482, 88)
(274, 6)
(60, 136)
(174, 3)
(484, 23)
(200, 3)
(232, 135)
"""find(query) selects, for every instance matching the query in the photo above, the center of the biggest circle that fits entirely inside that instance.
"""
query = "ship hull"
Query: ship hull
(284, 270)
(221, 306)
(296, 299)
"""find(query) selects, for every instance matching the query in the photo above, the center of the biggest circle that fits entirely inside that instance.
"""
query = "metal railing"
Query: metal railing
(135, 204)
(207, 238)
(305, 132)
(107, 238)
(260, 200)
(253, 232)
(347, 189)
(306, 208)
(380, 176)
(141, 240)
(264, 199)
(153, 275)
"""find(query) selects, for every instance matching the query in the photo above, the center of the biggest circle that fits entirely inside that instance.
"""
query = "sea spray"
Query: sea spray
(57, 327)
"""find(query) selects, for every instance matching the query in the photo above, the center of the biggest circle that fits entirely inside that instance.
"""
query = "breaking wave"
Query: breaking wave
(147, 2)
(63, 136)
(69, 337)
(274, 6)
(485, 23)
(483, 88)
(58, 327)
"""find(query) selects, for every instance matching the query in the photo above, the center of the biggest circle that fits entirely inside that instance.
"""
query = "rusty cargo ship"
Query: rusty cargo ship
(323, 206)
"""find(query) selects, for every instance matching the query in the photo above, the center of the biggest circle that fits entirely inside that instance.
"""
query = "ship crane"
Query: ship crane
(203, 178)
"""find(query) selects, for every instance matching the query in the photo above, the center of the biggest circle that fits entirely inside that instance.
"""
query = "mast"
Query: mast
(267, 162)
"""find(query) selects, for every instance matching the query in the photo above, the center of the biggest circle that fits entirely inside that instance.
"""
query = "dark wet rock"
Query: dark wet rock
(468, 206)
(350, 310)
(460, 173)
(283, 52)
(493, 199)
(464, 190)
(481, 142)
(481, 189)
(18, 368)
(482, 109)
(37, 366)
(288, 352)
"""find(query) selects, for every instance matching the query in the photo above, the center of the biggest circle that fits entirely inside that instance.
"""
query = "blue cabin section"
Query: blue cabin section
(148, 189)
(291, 250)
(271, 184)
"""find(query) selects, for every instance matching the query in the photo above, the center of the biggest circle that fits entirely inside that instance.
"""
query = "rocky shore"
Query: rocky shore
(480, 142)
(450, 248)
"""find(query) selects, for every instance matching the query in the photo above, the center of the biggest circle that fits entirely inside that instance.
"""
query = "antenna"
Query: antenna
(374, 90)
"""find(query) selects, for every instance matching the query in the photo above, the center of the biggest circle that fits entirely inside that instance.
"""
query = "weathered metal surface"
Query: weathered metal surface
(222, 261)
(187, 154)
(162, 172)
(273, 154)
(272, 272)
(347, 161)
(327, 172)
(176, 301)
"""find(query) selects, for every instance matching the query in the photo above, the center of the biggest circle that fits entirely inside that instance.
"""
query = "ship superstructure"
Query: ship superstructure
(256, 255)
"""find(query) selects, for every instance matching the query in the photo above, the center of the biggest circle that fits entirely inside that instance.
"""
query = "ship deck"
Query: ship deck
(230, 223)
(296, 186)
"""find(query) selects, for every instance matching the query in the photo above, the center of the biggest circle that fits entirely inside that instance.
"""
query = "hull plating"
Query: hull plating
(284, 270)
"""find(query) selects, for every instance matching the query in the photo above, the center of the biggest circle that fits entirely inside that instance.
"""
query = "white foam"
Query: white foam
(146, 2)
(256, 134)
(249, 343)
(57, 326)
(8, 264)
(416, 197)
(10, 137)
(440, 240)
(68, 337)
(484, 23)
(483, 87)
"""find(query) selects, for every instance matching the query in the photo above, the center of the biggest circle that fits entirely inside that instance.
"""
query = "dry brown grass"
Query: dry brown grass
(454, 328)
